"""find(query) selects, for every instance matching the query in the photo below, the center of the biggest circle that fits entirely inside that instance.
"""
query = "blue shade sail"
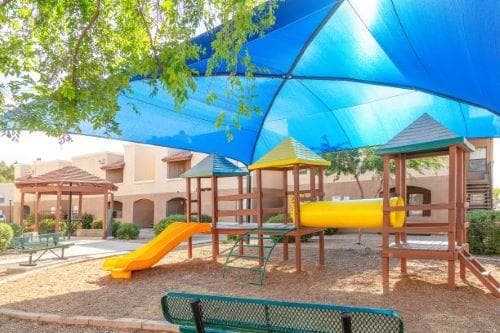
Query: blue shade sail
(337, 75)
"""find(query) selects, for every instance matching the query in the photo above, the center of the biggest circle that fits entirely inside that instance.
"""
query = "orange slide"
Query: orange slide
(149, 254)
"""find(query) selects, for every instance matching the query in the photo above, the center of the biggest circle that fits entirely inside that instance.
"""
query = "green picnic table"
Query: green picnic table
(42, 243)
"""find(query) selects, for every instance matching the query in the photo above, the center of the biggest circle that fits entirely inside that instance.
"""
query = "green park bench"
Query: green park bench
(42, 244)
(210, 313)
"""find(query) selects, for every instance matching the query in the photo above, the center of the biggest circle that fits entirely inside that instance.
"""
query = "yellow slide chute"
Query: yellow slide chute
(149, 254)
(363, 213)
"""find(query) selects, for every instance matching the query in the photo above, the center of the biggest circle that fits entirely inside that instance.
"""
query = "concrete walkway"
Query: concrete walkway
(95, 248)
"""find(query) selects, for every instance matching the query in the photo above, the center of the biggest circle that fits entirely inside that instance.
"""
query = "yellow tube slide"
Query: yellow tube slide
(363, 213)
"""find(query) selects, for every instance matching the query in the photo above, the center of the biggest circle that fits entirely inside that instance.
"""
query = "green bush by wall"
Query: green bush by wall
(280, 218)
(114, 228)
(127, 231)
(164, 223)
(483, 233)
(97, 224)
(6, 234)
(86, 220)
(48, 226)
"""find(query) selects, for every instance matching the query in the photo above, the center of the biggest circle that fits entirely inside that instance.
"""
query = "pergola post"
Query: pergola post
(80, 205)
(111, 209)
(105, 215)
(58, 210)
(21, 209)
(37, 211)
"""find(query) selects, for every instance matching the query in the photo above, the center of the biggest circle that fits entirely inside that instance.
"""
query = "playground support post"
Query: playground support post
(188, 215)
(215, 210)
(385, 224)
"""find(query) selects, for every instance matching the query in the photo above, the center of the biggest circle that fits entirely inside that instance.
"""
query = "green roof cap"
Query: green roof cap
(287, 153)
(423, 135)
(214, 165)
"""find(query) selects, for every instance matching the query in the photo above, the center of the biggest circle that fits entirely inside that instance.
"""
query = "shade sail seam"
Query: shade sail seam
(329, 109)
(348, 107)
(410, 44)
(376, 41)
(463, 118)
(184, 114)
(292, 67)
(376, 83)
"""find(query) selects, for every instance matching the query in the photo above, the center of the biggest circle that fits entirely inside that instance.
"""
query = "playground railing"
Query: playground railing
(210, 313)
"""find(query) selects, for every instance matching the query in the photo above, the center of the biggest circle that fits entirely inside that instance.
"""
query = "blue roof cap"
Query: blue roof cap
(423, 135)
(214, 165)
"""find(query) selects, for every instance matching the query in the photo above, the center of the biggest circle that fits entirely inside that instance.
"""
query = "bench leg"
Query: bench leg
(30, 261)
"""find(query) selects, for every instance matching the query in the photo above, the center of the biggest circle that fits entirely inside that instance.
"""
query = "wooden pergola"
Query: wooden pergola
(70, 181)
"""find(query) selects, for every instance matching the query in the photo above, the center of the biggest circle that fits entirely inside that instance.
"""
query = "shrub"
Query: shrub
(280, 218)
(6, 234)
(18, 229)
(164, 223)
(114, 228)
(97, 224)
(331, 231)
(86, 220)
(483, 233)
(127, 231)
(48, 226)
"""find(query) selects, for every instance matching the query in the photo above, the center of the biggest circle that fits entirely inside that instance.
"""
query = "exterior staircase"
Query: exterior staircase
(479, 272)
(479, 195)
(251, 251)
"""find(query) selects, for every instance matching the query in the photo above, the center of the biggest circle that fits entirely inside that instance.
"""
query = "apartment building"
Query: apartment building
(149, 186)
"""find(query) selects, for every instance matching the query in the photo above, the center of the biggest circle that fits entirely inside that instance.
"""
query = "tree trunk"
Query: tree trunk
(362, 194)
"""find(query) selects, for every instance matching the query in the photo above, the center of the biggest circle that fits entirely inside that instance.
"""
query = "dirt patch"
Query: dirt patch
(351, 277)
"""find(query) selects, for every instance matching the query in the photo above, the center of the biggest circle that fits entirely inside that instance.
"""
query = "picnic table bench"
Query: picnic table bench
(210, 313)
(42, 243)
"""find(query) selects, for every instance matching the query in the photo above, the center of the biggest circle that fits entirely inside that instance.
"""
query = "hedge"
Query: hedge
(6, 234)
(86, 220)
(164, 223)
(483, 233)
(127, 231)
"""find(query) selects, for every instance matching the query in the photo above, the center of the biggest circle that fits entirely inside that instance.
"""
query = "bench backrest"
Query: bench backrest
(20, 242)
(52, 238)
(239, 314)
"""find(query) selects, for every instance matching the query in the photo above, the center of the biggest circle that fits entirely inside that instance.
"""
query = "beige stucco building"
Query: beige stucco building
(149, 187)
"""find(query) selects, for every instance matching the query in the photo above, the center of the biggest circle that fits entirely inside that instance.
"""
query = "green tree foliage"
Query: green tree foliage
(6, 172)
(63, 62)
(356, 162)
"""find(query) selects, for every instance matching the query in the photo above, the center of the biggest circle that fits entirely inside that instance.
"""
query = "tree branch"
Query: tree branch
(148, 31)
(5, 2)
(83, 34)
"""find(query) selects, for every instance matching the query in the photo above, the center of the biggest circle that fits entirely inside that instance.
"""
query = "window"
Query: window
(416, 196)
(2, 199)
(477, 160)
(175, 169)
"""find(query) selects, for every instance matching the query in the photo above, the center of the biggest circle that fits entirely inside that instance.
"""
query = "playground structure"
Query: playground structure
(306, 213)
(427, 138)
(288, 156)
